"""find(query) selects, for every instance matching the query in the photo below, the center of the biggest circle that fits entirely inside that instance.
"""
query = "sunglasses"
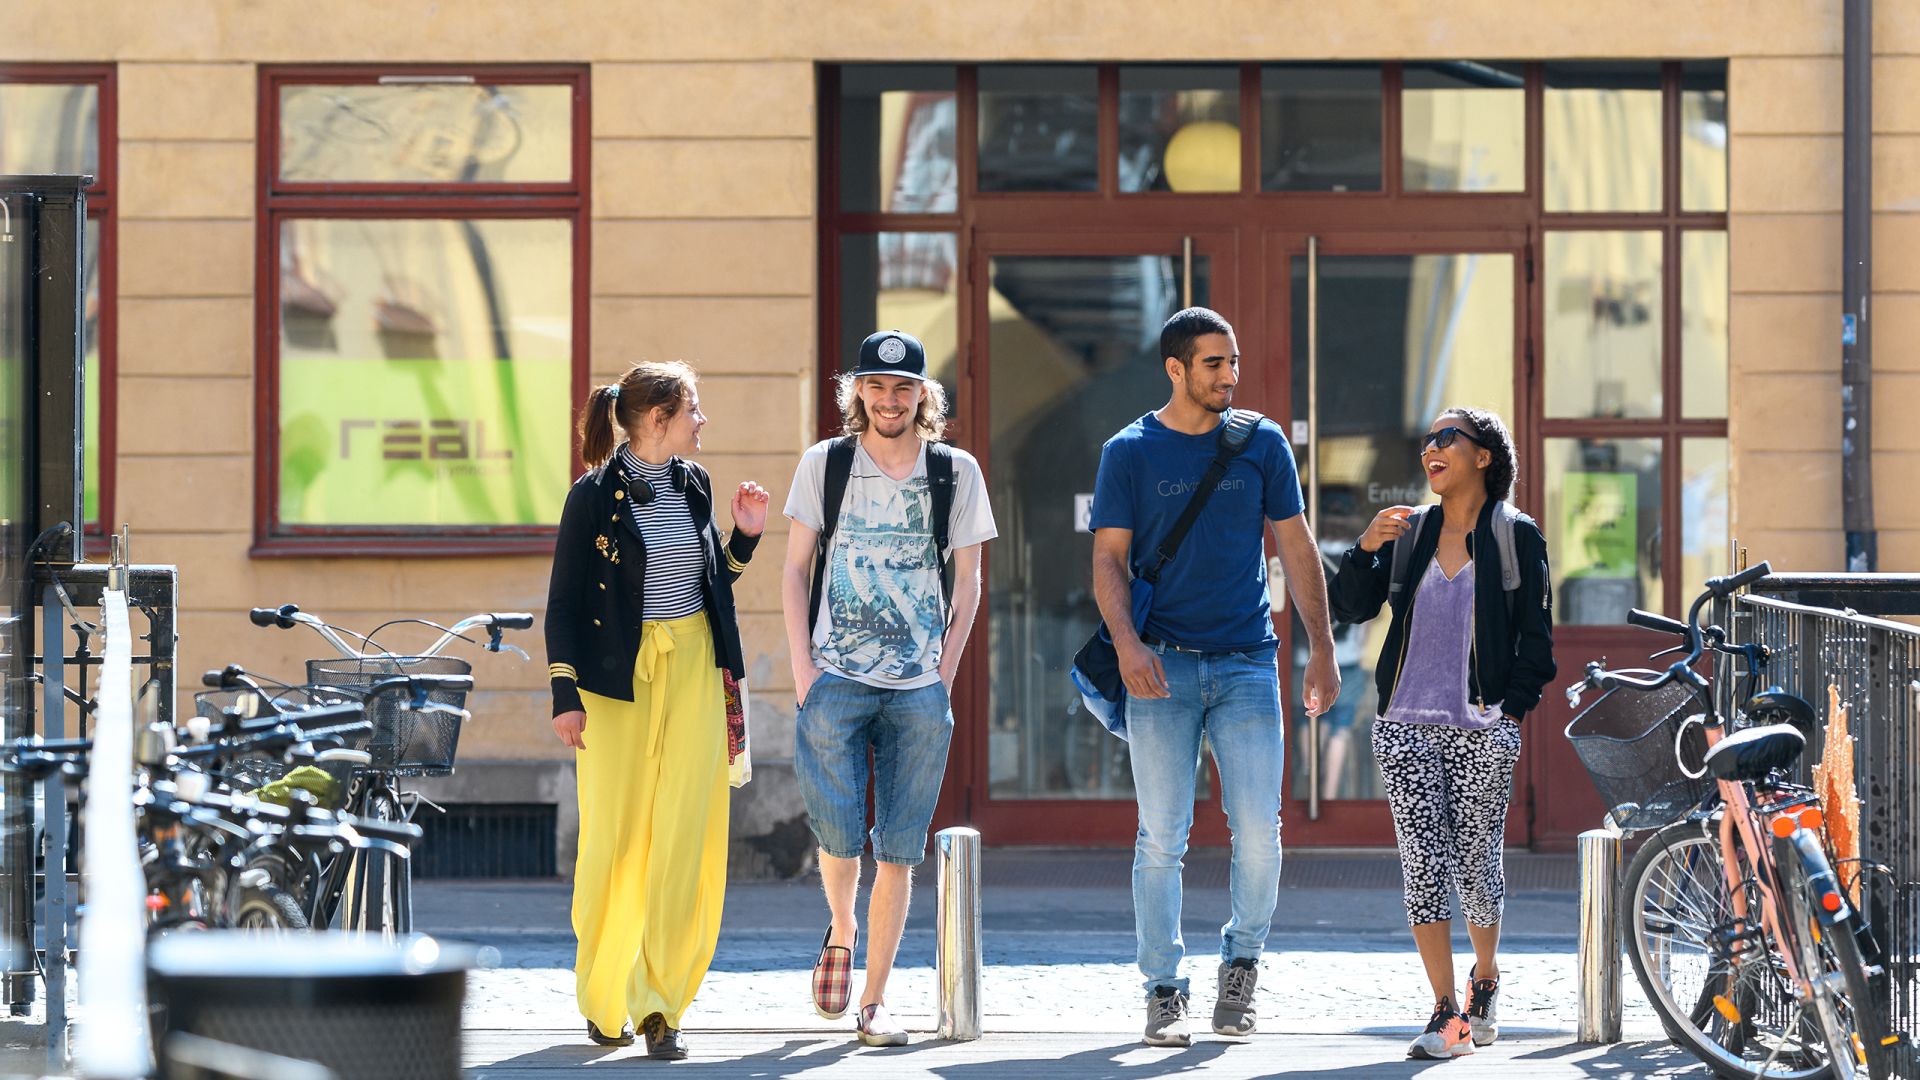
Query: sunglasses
(1443, 438)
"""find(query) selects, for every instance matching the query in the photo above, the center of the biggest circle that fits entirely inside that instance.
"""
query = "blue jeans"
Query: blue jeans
(908, 731)
(1234, 700)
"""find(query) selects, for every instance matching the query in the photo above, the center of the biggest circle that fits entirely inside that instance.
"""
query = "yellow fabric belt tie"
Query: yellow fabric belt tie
(656, 643)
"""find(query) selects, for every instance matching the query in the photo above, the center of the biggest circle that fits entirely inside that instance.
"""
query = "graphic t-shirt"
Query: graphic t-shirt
(1213, 595)
(881, 618)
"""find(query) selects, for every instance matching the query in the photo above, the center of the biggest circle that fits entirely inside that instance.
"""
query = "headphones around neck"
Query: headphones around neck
(643, 492)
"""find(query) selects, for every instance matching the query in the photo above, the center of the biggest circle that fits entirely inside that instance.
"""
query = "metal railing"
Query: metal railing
(1832, 631)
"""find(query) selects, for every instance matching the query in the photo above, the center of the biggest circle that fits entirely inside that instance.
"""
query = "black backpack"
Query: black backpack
(839, 469)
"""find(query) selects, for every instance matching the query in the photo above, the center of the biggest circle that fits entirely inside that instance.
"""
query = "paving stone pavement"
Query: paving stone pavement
(1341, 989)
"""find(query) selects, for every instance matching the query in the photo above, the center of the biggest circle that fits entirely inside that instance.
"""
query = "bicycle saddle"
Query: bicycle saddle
(1752, 754)
(1776, 706)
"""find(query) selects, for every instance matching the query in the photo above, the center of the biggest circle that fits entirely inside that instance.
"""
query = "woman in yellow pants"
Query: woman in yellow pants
(640, 633)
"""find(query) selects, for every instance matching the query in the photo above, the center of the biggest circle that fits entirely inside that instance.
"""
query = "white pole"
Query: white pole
(957, 957)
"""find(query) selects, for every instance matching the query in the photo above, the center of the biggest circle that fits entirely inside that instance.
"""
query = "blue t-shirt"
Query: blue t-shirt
(1213, 595)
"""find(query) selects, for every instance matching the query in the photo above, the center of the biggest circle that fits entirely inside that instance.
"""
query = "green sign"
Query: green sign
(1600, 530)
(424, 442)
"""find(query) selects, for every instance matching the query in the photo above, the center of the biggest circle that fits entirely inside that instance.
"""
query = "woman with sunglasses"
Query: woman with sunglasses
(641, 637)
(1464, 661)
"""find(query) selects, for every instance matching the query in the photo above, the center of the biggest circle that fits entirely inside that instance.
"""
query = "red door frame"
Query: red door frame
(965, 798)
(1365, 822)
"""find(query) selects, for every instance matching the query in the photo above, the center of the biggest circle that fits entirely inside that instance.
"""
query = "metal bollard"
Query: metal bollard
(1599, 937)
(957, 955)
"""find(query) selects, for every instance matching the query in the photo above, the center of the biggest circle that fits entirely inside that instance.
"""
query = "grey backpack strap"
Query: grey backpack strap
(1504, 515)
(1403, 549)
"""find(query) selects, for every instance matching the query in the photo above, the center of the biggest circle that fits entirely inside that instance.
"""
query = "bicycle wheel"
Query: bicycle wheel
(376, 898)
(267, 909)
(1846, 1006)
(1728, 1003)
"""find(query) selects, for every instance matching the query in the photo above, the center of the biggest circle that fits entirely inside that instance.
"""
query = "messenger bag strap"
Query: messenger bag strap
(1235, 433)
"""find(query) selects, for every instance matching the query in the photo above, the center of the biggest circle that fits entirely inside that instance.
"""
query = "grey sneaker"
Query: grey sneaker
(1233, 1010)
(1167, 1018)
(1483, 1009)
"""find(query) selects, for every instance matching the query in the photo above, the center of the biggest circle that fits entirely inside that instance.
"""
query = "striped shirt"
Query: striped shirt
(676, 551)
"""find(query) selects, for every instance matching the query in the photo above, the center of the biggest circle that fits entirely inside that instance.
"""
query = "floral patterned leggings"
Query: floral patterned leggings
(1448, 788)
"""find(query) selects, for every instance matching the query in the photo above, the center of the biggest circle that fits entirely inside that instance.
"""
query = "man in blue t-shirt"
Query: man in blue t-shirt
(1205, 662)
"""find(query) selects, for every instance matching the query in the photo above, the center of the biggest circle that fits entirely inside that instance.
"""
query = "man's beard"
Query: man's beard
(1204, 399)
(876, 423)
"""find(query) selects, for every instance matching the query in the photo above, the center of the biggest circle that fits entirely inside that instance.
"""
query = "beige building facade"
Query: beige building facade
(703, 194)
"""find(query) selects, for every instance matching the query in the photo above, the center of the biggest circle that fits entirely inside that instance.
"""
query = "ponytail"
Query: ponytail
(597, 424)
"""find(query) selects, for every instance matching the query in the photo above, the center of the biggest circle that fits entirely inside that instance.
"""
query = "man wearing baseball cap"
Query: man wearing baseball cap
(880, 587)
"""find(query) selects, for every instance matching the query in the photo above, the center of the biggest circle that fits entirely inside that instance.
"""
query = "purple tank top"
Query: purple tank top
(1432, 688)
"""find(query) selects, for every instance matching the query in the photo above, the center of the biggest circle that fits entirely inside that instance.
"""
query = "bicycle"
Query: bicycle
(1739, 929)
(334, 887)
(374, 892)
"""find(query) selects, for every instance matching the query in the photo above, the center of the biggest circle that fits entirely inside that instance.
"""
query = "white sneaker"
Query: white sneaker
(1448, 1035)
(1483, 1009)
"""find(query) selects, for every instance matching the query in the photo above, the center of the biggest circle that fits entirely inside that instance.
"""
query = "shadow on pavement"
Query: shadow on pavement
(1100, 1063)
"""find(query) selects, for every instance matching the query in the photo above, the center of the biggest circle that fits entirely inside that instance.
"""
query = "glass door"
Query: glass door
(1066, 334)
(1383, 333)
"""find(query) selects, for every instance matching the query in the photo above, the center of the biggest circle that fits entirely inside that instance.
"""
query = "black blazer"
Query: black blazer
(1510, 662)
(595, 597)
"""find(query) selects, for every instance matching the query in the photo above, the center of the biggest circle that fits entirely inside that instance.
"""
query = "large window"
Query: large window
(59, 119)
(1633, 296)
(422, 335)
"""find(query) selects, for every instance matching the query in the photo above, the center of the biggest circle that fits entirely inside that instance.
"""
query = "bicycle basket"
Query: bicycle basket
(405, 741)
(1632, 743)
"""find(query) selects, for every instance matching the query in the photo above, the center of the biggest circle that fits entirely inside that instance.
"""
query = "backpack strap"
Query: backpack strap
(1403, 550)
(833, 492)
(940, 485)
(1235, 435)
(1504, 517)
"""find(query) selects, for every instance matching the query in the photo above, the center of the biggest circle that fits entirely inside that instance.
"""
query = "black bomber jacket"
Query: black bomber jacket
(1511, 661)
(594, 599)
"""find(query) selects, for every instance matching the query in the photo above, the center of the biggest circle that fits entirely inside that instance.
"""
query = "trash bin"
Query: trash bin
(364, 1009)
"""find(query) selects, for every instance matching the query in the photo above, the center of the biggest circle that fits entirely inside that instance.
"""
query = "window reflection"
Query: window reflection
(1179, 129)
(1603, 309)
(1463, 127)
(903, 281)
(90, 339)
(1703, 135)
(425, 371)
(1407, 336)
(1703, 324)
(49, 128)
(1039, 128)
(1073, 350)
(1602, 523)
(1320, 127)
(1602, 131)
(432, 133)
(1704, 526)
(897, 129)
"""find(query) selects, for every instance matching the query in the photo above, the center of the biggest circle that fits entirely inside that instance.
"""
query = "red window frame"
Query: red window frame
(101, 216)
(278, 200)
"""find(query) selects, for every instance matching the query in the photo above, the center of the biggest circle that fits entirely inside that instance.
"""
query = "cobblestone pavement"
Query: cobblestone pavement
(1340, 973)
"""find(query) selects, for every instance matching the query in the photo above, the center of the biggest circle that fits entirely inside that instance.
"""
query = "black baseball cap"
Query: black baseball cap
(892, 352)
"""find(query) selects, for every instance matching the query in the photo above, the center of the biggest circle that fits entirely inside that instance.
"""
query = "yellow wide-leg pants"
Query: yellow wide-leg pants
(651, 875)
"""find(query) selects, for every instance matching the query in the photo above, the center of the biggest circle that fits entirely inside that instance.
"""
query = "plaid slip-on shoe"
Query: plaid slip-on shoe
(833, 978)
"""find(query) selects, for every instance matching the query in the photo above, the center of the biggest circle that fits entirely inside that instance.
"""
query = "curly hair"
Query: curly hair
(1491, 433)
(930, 423)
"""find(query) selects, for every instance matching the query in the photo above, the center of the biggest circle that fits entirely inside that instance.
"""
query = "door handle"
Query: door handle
(1313, 484)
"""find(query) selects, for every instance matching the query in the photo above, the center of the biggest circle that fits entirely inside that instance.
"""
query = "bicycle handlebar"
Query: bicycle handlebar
(1699, 639)
(287, 616)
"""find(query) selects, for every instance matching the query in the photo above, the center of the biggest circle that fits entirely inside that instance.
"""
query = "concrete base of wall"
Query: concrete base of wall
(768, 839)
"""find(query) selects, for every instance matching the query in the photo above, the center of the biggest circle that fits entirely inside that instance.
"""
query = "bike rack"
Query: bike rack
(62, 590)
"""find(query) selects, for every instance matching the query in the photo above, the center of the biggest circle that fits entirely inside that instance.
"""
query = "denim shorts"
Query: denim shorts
(908, 731)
